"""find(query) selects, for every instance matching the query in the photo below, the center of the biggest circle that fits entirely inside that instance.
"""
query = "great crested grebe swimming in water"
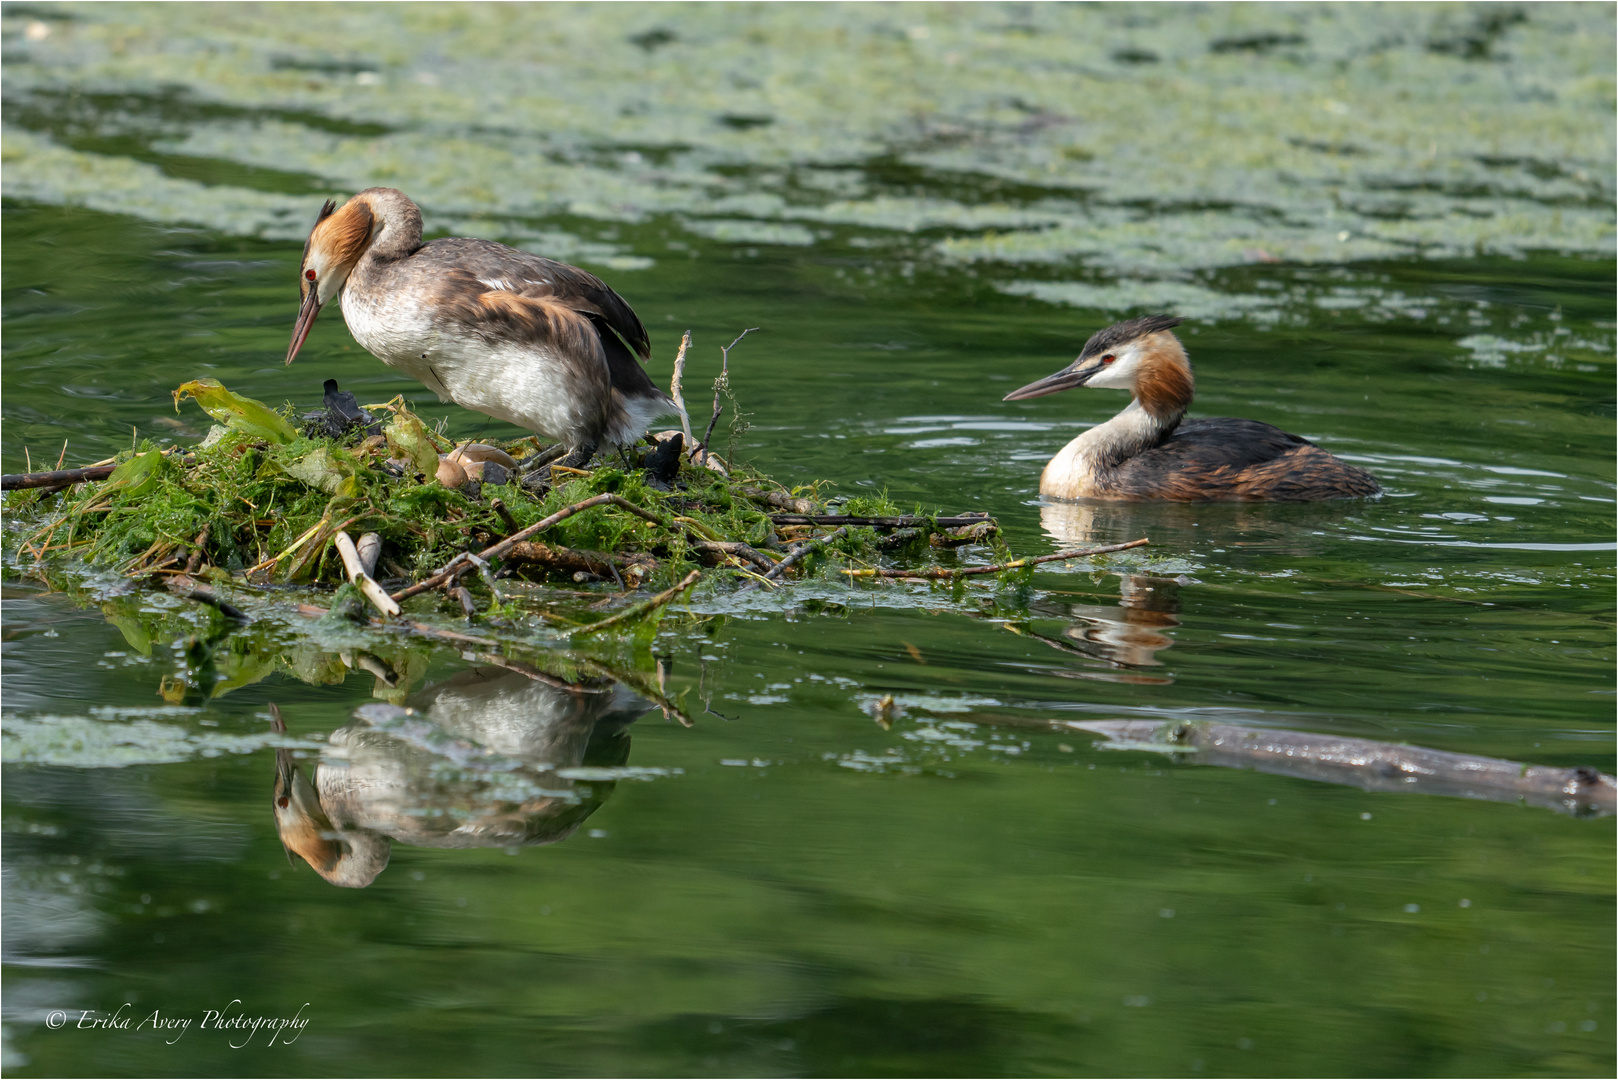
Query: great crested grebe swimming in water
(525, 339)
(1149, 451)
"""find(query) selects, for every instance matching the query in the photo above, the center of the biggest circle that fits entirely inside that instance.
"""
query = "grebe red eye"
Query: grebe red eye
(1109, 358)
(310, 274)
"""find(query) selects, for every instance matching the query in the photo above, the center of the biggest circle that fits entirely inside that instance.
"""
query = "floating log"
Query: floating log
(1367, 764)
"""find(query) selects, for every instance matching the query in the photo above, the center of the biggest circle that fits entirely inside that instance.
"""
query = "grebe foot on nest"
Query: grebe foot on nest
(1149, 451)
(522, 338)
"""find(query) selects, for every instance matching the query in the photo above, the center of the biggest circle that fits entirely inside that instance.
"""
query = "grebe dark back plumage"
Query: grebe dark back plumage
(1148, 451)
(522, 338)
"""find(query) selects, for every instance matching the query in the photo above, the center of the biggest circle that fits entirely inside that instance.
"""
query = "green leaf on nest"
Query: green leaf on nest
(139, 474)
(321, 469)
(252, 418)
(408, 438)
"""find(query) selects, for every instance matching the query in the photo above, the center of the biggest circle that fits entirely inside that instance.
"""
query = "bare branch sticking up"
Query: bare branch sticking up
(720, 385)
(674, 387)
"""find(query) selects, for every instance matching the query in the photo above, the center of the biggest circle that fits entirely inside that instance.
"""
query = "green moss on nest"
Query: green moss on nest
(268, 511)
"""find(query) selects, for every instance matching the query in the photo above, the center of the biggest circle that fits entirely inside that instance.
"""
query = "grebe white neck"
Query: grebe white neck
(1081, 466)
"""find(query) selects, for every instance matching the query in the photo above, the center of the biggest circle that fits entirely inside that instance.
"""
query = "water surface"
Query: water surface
(577, 884)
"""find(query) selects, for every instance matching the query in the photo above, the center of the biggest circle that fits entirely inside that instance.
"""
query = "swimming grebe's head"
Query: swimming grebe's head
(1140, 355)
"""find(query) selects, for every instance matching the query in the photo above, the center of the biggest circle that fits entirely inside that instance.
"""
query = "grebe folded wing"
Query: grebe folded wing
(506, 269)
(1229, 458)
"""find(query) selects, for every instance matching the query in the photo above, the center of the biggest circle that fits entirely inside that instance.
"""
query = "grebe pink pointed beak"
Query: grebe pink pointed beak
(1075, 374)
(306, 320)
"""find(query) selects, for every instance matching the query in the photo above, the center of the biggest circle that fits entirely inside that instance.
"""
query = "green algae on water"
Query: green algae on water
(1135, 141)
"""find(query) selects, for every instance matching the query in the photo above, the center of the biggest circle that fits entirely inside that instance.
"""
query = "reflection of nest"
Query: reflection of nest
(476, 763)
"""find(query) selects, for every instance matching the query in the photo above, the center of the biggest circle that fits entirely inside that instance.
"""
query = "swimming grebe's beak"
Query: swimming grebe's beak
(1077, 373)
(306, 319)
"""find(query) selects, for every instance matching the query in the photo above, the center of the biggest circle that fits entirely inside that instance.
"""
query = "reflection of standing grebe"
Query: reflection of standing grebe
(1149, 451)
(480, 760)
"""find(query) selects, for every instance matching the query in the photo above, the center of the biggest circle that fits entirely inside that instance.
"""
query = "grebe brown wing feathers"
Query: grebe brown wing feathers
(505, 269)
(628, 377)
(473, 304)
(1227, 458)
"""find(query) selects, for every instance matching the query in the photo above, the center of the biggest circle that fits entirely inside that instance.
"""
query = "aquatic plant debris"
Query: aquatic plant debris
(1111, 156)
(258, 505)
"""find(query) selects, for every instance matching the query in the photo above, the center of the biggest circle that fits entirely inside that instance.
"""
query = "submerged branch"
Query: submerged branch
(639, 610)
(901, 521)
(185, 586)
(944, 574)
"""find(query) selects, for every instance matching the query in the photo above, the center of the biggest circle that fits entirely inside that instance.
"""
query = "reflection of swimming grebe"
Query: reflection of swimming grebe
(1129, 634)
(528, 340)
(1149, 452)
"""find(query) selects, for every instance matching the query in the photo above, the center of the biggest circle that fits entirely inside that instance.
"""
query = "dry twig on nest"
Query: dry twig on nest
(721, 384)
(901, 521)
(54, 478)
(795, 556)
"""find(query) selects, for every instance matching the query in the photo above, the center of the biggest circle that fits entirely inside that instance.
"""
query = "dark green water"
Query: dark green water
(788, 888)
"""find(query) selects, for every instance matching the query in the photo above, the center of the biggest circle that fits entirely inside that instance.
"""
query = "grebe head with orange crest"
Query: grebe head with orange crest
(375, 219)
(1141, 355)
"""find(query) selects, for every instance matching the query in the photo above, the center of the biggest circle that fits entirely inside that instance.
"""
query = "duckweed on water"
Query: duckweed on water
(1110, 155)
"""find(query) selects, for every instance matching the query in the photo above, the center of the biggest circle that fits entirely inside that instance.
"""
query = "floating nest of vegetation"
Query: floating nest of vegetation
(379, 504)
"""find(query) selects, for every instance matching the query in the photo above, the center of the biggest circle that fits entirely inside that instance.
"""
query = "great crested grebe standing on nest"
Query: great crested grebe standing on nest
(525, 339)
(1149, 451)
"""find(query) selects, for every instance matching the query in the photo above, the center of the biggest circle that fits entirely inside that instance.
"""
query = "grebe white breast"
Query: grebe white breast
(1149, 451)
(522, 338)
